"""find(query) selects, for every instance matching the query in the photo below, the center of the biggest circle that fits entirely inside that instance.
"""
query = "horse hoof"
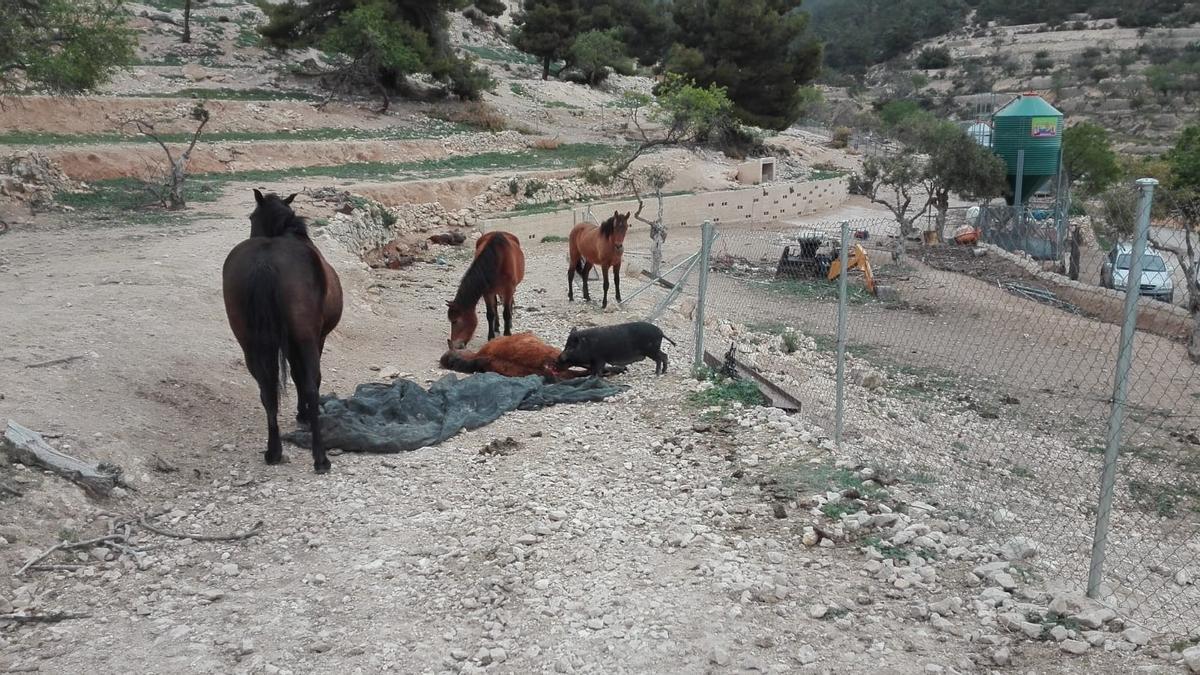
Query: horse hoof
(320, 469)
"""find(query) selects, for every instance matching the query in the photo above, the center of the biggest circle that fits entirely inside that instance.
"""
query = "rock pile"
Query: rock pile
(32, 178)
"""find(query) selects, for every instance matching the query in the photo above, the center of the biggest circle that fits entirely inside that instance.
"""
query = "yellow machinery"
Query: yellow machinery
(857, 259)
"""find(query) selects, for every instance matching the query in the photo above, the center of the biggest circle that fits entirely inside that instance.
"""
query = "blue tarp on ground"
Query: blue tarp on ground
(401, 416)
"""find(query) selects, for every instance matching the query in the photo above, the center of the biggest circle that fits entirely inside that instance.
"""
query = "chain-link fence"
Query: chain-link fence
(1019, 399)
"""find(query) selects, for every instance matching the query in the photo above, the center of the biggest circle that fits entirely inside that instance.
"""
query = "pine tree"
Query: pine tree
(547, 29)
(757, 49)
(64, 46)
(385, 40)
(644, 26)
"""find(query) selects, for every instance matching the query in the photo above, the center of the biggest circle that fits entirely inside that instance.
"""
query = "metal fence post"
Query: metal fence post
(844, 258)
(706, 239)
(1120, 385)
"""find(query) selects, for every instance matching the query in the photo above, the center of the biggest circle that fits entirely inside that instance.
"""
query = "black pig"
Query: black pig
(618, 345)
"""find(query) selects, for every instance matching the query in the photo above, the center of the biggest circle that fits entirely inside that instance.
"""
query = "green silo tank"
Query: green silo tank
(1031, 124)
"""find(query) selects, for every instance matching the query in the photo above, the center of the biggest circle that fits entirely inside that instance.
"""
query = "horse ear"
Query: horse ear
(290, 198)
(627, 213)
(258, 196)
(616, 214)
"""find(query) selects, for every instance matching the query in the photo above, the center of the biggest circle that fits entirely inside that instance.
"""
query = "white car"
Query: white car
(1156, 276)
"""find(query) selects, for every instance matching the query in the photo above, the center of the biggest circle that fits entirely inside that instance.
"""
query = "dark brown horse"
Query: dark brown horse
(603, 245)
(282, 300)
(498, 267)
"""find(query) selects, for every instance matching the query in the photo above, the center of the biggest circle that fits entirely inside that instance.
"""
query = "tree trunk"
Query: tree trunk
(1194, 339)
(1076, 241)
(941, 221)
(546, 68)
(658, 235)
(175, 200)
(187, 21)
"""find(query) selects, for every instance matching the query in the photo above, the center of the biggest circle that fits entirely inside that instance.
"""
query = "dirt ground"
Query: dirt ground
(555, 558)
(652, 533)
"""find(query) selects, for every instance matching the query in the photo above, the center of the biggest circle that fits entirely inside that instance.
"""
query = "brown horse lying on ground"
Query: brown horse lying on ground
(282, 300)
(512, 355)
(498, 267)
(591, 245)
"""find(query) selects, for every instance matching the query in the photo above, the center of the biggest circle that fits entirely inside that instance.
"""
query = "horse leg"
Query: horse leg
(587, 272)
(604, 272)
(303, 414)
(660, 362)
(309, 389)
(270, 402)
(490, 301)
(617, 279)
(508, 311)
(572, 262)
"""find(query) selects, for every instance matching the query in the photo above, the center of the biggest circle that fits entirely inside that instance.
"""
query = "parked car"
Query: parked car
(1156, 277)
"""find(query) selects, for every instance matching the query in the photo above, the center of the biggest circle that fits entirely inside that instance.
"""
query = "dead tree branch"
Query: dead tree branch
(233, 536)
(43, 618)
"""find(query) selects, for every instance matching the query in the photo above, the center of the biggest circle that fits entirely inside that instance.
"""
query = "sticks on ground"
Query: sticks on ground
(53, 617)
(120, 538)
(233, 536)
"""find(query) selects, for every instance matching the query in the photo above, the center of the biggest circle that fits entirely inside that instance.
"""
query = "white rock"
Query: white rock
(1074, 647)
(1183, 577)
(1019, 548)
(1095, 618)
(1137, 635)
(806, 655)
(719, 656)
(1001, 657)
(817, 611)
(1191, 656)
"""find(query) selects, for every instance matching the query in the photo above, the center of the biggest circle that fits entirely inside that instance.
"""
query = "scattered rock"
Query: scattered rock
(1075, 647)
(1002, 657)
(719, 656)
(1191, 656)
(1018, 548)
(1183, 578)
(1137, 635)
(817, 611)
(806, 655)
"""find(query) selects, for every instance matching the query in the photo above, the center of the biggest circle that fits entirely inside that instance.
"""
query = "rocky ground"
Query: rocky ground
(664, 530)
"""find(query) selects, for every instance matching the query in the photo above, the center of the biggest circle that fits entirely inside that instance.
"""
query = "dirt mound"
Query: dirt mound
(31, 178)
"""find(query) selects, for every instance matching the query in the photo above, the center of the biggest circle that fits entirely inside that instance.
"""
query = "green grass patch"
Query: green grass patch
(1165, 500)
(224, 94)
(553, 239)
(818, 290)
(501, 55)
(1021, 472)
(725, 391)
(561, 104)
(438, 130)
(821, 174)
(248, 37)
(125, 194)
(519, 89)
(835, 510)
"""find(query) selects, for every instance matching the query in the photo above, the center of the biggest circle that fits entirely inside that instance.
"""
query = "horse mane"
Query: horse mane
(279, 219)
(608, 227)
(482, 272)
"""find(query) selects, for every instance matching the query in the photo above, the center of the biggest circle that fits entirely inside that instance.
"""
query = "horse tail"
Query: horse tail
(267, 337)
(463, 362)
(670, 340)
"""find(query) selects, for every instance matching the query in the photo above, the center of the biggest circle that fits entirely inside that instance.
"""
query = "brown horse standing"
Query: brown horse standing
(498, 267)
(591, 245)
(282, 298)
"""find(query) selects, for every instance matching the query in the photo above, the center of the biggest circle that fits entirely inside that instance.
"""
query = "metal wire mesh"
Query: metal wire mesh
(998, 378)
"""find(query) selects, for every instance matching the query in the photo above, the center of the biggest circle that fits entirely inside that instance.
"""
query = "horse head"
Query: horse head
(615, 229)
(462, 324)
(273, 215)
